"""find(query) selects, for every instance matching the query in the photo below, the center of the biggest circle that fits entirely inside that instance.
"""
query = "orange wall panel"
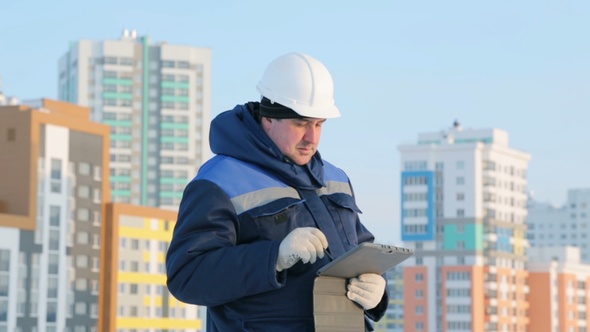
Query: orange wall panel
(539, 299)
(411, 285)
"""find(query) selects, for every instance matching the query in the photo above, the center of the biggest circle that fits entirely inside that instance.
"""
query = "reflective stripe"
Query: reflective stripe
(334, 187)
(236, 177)
(258, 198)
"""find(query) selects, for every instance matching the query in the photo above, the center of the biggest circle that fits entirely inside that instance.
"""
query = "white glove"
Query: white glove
(305, 244)
(366, 289)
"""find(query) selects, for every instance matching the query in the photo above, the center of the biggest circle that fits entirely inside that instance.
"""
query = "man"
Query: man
(254, 224)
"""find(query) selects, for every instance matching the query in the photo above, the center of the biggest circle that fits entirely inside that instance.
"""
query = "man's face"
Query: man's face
(297, 139)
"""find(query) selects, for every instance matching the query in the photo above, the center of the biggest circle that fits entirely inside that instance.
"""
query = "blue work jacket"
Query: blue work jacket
(231, 220)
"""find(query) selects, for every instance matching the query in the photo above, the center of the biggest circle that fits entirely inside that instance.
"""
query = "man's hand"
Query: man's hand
(305, 244)
(367, 290)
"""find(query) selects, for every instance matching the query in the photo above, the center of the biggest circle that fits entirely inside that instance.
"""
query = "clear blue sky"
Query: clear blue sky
(400, 68)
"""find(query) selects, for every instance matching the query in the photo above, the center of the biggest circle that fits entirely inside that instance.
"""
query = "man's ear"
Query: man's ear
(265, 122)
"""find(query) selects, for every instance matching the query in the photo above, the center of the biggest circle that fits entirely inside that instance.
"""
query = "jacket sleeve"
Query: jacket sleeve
(203, 263)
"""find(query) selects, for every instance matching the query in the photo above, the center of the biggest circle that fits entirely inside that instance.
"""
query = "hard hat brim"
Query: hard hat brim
(317, 111)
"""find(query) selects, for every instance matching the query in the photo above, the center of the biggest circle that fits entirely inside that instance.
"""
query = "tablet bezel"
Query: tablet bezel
(367, 257)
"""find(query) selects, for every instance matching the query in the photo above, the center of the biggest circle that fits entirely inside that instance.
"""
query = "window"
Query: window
(53, 264)
(415, 165)
(83, 191)
(460, 196)
(83, 238)
(55, 175)
(51, 311)
(54, 215)
(94, 310)
(97, 173)
(94, 286)
(96, 217)
(126, 61)
(109, 60)
(460, 180)
(52, 287)
(109, 74)
(11, 134)
(460, 213)
(81, 308)
(95, 263)
(168, 77)
(96, 195)
(110, 102)
(96, 240)
(419, 277)
(81, 284)
(82, 261)
(84, 168)
(83, 214)
(4, 290)
(53, 239)
(168, 92)
(460, 164)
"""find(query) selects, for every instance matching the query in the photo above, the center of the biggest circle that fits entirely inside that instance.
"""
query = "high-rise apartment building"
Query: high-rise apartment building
(568, 225)
(156, 99)
(134, 296)
(393, 321)
(463, 211)
(54, 166)
(559, 290)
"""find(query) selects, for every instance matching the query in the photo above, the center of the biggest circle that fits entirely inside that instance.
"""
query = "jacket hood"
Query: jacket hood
(237, 134)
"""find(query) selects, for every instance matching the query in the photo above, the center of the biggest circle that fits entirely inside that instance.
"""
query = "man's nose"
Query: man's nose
(312, 135)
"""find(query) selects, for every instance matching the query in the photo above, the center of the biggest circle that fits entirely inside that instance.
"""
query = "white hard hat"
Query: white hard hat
(301, 83)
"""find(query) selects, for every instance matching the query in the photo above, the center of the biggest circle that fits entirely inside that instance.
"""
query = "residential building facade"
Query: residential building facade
(559, 290)
(567, 225)
(463, 211)
(54, 166)
(156, 99)
(393, 321)
(135, 296)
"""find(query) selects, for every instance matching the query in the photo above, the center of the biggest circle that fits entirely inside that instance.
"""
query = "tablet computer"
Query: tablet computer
(365, 258)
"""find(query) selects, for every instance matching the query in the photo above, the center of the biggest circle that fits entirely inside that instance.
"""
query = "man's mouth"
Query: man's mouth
(308, 149)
